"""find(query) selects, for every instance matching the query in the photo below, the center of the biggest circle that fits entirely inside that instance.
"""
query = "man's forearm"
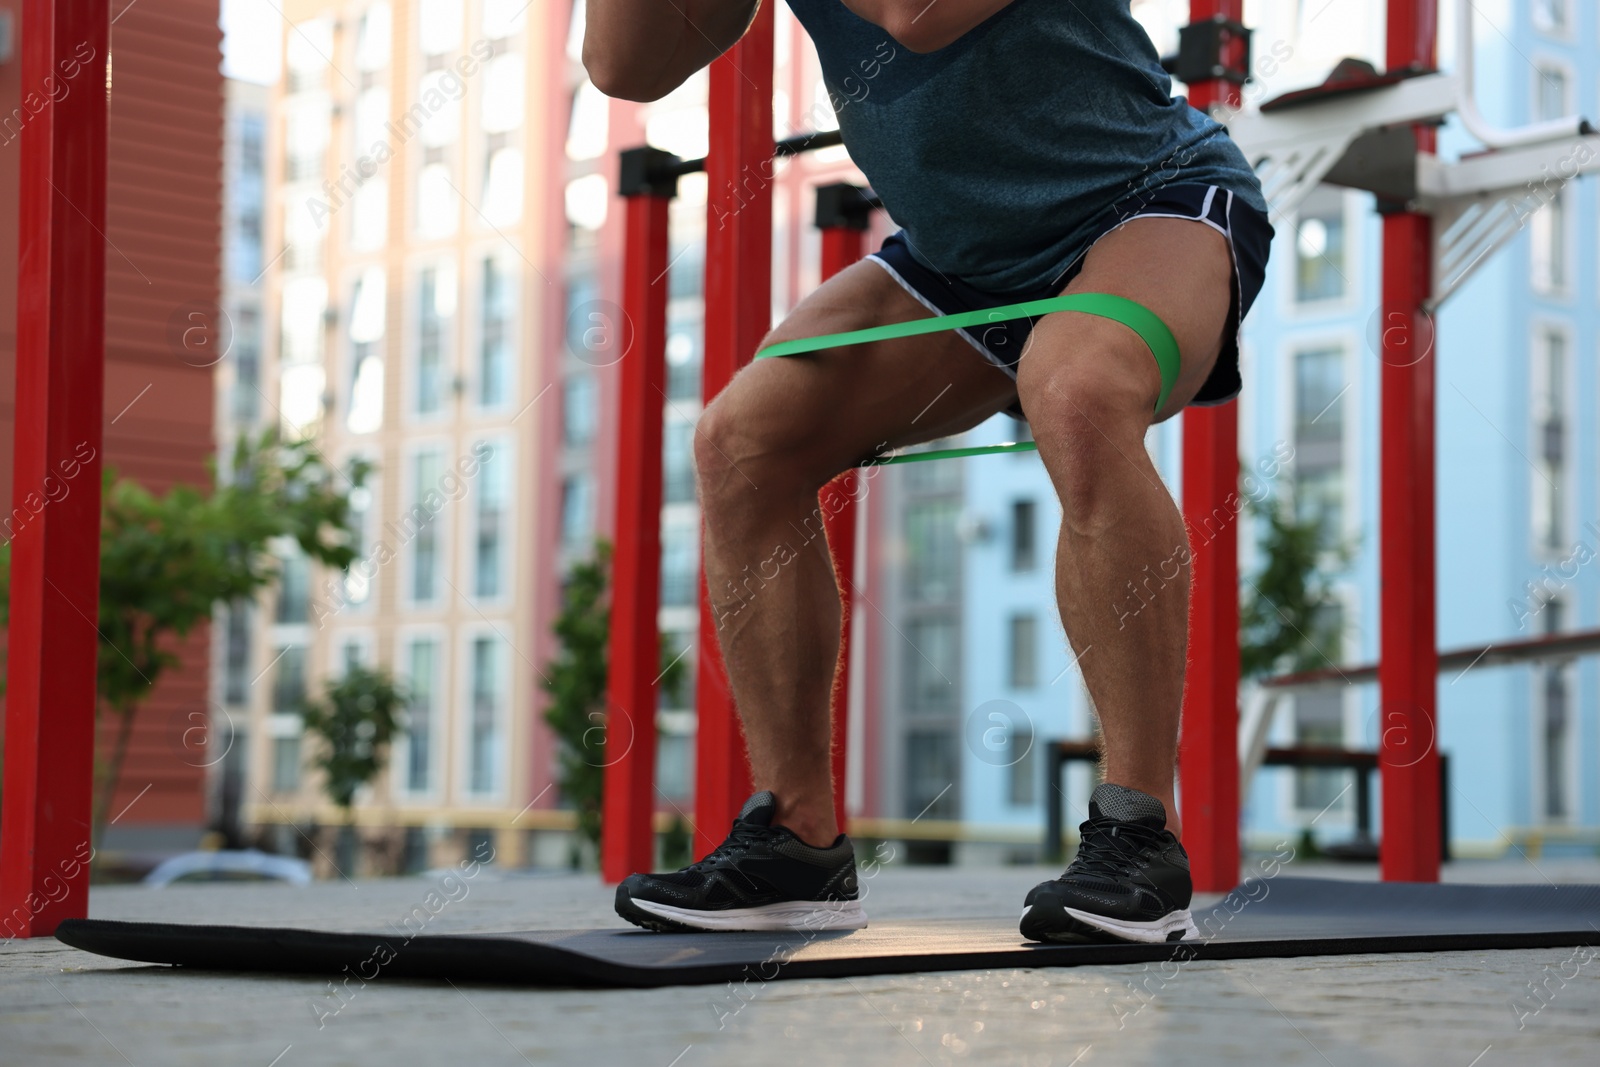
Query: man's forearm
(925, 25)
(643, 49)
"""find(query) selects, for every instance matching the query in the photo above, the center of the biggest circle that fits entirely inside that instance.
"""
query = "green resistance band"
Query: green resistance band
(1135, 316)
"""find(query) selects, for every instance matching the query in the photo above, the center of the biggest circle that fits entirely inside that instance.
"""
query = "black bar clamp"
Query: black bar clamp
(1203, 49)
(647, 171)
(843, 204)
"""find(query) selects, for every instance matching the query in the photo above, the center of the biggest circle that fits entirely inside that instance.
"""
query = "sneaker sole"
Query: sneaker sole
(1074, 924)
(788, 915)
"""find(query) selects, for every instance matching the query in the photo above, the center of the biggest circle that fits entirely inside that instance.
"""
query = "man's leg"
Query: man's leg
(1089, 387)
(779, 432)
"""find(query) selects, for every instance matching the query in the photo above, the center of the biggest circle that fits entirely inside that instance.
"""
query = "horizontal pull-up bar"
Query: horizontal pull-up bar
(1506, 653)
(654, 170)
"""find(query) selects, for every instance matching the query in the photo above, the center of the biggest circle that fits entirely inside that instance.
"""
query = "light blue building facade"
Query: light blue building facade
(1518, 519)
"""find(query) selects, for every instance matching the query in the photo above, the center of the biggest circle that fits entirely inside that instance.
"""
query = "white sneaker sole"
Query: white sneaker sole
(1156, 931)
(789, 915)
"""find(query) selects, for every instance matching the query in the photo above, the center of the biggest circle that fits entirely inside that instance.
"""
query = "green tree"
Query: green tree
(576, 681)
(355, 720)
(167, 561)
(1289, 614)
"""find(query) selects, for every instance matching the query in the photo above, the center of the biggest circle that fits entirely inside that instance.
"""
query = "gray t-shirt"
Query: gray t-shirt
(997, 152)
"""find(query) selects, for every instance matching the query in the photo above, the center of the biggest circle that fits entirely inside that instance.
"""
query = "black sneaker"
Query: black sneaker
(762, 877)
(1129, 881)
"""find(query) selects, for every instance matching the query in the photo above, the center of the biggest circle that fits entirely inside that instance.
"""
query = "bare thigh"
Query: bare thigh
(819, 413)
(1178, 268)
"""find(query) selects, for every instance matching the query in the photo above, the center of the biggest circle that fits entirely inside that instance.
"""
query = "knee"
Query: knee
(719, 439)
(1089, 421)
(745, 449)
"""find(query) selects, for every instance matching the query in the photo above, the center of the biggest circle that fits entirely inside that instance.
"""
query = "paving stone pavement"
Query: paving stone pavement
(62, 1006)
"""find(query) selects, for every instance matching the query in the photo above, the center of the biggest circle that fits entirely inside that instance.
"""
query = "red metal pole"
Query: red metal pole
(55, 522)
(627, 835)
(1208, 758)
(1408, 662)
(841, 246)
(739, 174)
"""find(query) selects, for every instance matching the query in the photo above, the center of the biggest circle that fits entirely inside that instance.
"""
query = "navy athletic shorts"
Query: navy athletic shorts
(1247, 229)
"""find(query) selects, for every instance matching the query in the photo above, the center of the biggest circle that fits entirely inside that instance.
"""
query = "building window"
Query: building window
(307, 129)
(1320, 259)
(502, 185)
(930, 664)
(1023, 770)
(934, 477)
(303, 226)
(1022, 534)
(436, 308)
(931, 772)
(308, 52)
(588, 128)
(300, 396)
(487, 699)
(1319, 386)
(294, 586)
(1550, 447)
(368, 129)
(286, 764)
(684, 358)
(577, 509)
(502, 18)
(289, 680)
(933, 560)
(236, 656)
(579, 413)
(252, 144)
(439, 26)
(369, 215)
(358, 578)
(422, 523)
(1319, 723)
(679, 577)
(367, 319)
(246, 364)
(1554, 679)
(1547, 240)
(494, 490)
(372, 38)
(435, 116)
(496, 329)
(501, 101)
(677, 461)
(305, 305)
(1023, 654)
(1553, 16)
(437, 206)
(587, 199)
(423, 687)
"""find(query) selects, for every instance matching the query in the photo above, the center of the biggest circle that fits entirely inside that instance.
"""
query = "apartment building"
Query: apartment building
(411, 295)
(1517, 495)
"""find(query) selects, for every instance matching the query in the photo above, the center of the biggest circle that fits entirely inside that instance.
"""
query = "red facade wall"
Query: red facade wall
(163, 231)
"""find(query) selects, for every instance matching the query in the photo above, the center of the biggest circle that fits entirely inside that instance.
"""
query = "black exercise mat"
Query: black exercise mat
(1262, 918)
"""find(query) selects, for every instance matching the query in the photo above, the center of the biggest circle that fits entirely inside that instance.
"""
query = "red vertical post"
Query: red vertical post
(1408, 661)
(627, 836)
(1208, 752)
(739, 174)
(843, 243)
(54, 526)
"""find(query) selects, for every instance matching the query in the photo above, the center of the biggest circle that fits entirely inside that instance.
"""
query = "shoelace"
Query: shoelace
(1109, 847)
(741, 837)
